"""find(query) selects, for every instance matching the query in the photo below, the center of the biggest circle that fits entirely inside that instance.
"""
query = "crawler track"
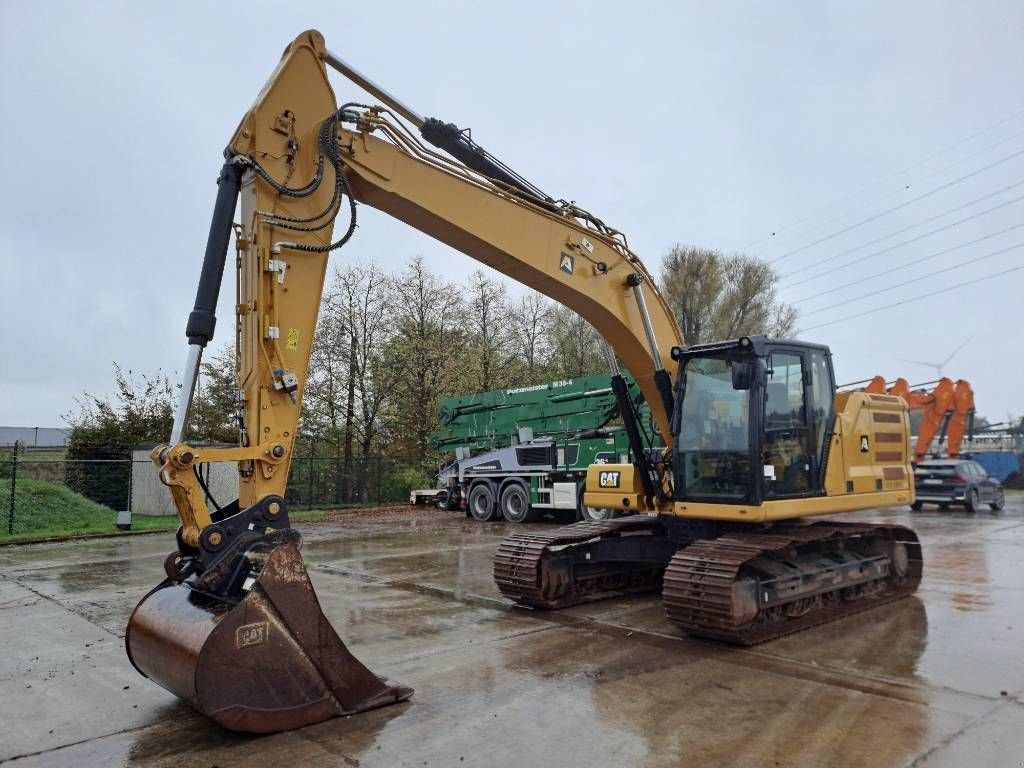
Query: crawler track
(532, 568)
(700, 584)
(737, 586)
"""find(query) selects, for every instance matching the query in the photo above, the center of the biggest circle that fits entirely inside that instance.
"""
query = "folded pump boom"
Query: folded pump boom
(752, 429)
(947, 411)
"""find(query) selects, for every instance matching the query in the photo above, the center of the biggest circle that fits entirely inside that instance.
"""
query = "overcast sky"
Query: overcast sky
(706, 123)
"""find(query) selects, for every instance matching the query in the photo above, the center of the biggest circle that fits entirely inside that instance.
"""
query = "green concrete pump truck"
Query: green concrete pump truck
(521, 453)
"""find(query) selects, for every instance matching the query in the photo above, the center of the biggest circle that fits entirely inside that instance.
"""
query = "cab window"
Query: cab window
(822, 405)
(787, 442)
(712, 451)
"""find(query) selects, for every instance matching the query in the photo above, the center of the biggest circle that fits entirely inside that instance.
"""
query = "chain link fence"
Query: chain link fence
(43, 493)
(321, 482)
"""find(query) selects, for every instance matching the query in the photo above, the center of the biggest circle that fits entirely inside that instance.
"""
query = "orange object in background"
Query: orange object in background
(963, 410)
(947, 407)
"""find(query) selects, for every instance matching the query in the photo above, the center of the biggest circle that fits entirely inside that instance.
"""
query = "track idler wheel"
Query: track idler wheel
(271, 662)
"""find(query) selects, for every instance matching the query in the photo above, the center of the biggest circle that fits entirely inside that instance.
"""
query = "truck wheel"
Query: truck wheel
(594, 514)
(972, 503)
(916, 506)
(481, 503)
(998, 501)
(515, 504)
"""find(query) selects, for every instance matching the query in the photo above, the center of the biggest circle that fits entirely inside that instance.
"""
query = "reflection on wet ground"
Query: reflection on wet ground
(933, 680)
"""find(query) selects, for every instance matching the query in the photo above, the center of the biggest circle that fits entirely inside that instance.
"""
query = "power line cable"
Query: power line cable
(918, 164)
(913, 299)
(943, 252)
(890, 248)
(886, 212)
(895, 192)
(915, 225)
(958, 265)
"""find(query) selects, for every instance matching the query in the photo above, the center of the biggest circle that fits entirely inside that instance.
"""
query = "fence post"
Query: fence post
(14, 482)
(309, 481)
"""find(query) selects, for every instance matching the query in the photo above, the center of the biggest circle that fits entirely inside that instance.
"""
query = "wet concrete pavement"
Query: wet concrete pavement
(933, 680)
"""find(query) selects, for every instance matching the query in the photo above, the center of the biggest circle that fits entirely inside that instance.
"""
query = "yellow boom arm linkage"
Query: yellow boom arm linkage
(557, 250)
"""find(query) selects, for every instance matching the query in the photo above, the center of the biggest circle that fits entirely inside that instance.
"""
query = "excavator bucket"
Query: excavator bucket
(268, 662)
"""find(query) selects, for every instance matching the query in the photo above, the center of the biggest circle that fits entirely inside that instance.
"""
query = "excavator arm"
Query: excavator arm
(296, 160)
(236, 590)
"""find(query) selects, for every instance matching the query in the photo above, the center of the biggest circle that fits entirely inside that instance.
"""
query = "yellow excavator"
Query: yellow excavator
(755, 436)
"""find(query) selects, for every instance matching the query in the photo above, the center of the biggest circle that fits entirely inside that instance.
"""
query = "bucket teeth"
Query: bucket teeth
(272, 662)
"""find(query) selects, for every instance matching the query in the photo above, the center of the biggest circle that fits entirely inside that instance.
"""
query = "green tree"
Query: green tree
(104, 428)
(214, 415)
(140, 411)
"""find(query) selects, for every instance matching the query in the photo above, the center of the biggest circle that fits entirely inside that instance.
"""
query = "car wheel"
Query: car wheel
(481, 503)
(998, 501)
(916, 506)
(515, 504)
(972, 503)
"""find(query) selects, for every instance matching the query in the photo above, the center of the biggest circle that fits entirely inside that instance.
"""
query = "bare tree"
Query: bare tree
(347, 383)
(423, 355)
(715, 296)
(489, 356)
(530, 319)
(371, 321)
(324, 402)
(575, 345)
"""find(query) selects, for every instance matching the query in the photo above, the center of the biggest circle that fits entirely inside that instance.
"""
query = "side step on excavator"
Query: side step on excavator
(753, 436)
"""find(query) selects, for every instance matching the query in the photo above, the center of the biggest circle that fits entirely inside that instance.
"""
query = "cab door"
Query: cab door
(798, 417)
(786, 448)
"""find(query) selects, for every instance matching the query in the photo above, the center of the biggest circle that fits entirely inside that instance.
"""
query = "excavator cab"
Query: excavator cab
(751, 420)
